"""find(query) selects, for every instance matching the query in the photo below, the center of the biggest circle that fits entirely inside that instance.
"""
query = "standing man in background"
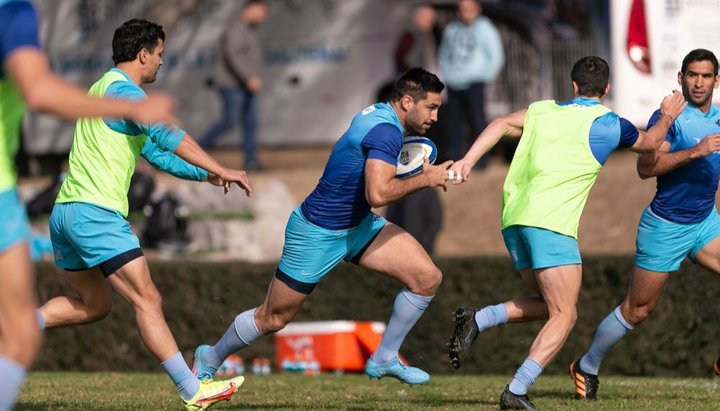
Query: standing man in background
(26, 80)
(238, 80)
(419, 213)
(416, 46)
(471, 55)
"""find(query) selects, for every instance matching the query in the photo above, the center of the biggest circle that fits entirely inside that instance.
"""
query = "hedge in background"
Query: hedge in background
(201, 299)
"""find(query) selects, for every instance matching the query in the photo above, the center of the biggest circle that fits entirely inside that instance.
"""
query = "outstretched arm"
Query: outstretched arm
(191, 152)
(510, 125)
(662, 162)
(170, 163)
(382, 188)
(173, 140)
(670, 109)
(44, 91)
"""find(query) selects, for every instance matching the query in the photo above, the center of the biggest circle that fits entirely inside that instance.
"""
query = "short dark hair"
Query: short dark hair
(592, 75)
(133, 36)
(249, 3)
(416, 83)
(700, 55)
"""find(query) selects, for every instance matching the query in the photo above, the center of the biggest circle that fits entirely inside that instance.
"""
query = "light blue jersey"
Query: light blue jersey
(682, 218)
(608, 132)
(470, 53)
(687, 194)
(338, 202)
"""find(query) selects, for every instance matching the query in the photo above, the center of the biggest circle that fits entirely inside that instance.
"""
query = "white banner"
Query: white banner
(324, 60)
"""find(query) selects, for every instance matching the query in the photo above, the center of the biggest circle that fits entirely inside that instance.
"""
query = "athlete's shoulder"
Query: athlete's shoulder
(18, 9)
(378, 113)
(543, 104)
(122, 87)
(715, 112)
(610, 118)
(18, 26)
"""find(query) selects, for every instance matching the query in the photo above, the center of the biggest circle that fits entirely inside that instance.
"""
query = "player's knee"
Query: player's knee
(427, 283)
(568, 316)
(99, 309)
(151, 300)
(637, 315)
(273, 323)
(23, 344)
(572, 317)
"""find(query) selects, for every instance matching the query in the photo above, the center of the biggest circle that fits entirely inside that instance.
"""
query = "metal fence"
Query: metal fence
(527, 69)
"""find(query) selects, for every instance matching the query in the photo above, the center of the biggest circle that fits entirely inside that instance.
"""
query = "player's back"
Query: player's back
(553, 168)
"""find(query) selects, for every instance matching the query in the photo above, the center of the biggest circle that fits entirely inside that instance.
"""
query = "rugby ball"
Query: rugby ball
(413, 152)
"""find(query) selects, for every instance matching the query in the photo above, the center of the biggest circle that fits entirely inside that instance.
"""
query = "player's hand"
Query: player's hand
(157, 108)
(239, 177)
(215, 180)
(460, 168)
(436, 175)
(254, 84)
(673, 105)
(708, 145)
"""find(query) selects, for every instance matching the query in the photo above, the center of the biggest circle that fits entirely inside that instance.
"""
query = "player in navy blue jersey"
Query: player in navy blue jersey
(680, 222)
(335, 223)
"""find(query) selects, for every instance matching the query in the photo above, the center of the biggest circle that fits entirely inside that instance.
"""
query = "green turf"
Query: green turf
(126, 391)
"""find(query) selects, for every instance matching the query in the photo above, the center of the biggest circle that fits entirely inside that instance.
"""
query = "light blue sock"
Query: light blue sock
(180, 374)
(407, 310)
(525, 376)
(40, 319)
(12, 376)
(491, 316)
(610, 331)
(241, 333)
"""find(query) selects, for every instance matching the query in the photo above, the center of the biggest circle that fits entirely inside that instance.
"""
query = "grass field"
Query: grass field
(134, 391)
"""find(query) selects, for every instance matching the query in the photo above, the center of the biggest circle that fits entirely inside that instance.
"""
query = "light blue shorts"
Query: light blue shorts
(661, 245)
(14, 225)
(85, 236)
(536, 248)
(310, 251)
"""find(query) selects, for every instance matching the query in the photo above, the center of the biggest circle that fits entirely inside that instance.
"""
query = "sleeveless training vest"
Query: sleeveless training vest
(553, 169)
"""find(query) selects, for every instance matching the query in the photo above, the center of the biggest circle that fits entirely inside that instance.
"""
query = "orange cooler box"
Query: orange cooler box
(331, 345)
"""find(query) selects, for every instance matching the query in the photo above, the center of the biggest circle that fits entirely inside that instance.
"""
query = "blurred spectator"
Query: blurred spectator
(419, 213)
(533, 21)
(599, 19)
(168, 13)
(416, 46)
(238, 80)
(471, 54)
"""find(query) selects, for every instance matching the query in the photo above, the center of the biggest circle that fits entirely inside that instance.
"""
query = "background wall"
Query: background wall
(324, 60)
